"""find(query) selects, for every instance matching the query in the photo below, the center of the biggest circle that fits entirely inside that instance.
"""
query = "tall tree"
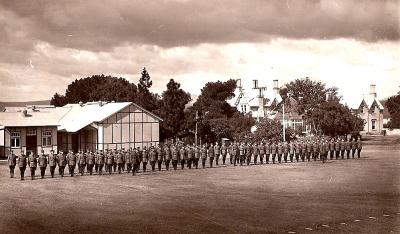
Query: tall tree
(268, 129)
(95, 88)
(393, 105)
(172, 109)
(145, 98)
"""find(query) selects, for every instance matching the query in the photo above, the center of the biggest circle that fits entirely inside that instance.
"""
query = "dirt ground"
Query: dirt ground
(340, 196)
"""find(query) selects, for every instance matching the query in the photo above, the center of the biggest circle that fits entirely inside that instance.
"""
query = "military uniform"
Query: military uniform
(167, 156)
(315, 150)
(160, 156)
(71, 159)
(274, 151)
(136, 161)
(42, 161)
(62, 162)
(285, 151)
(182, 156)
(342, 148)
(292, 148)
(32, 161)
(90, 160)
(22, 164)
(52, 163)
(12, 161)
(109, 161)
(255, 152)
(268, 150)
(211, 155)
(100, 161)
(223, 153)
(128, 159)
(309, 148)
(190, 155)
(348, 148)
(120, 161)
(261, 149)
(322, 151)
(331, 149)
(196, 156)
(359, 148)
(353, 148)
(337, 149)
(297, 150)
(153, 158)
(145, 158)
(280, 152)
(203, 152)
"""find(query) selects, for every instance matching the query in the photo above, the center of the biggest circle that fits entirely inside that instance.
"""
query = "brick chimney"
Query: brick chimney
(372, 90)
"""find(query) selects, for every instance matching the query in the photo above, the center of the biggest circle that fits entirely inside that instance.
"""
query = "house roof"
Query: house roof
(69, 118)
(369, 100)
(37, 117)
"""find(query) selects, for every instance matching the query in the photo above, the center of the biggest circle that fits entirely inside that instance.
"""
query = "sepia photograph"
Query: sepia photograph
(211, 116)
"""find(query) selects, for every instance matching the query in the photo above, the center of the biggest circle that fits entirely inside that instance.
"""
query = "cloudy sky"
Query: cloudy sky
(44, 45)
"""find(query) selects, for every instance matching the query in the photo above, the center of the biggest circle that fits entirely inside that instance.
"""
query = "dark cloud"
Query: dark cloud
(103, 25)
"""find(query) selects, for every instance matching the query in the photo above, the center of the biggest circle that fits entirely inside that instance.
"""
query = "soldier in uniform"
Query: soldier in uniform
(52, 163)
(190, 152)
(297, 150)
(203, 152)
(100, 161)
(261, 149)
(223, 152)
(342, 148)
(152, 157)
(128, 159)
(62, 162)
(22, 164)
(182, 156)
(71, 160)
(136, 161)
(309, 148)
(247, 149)
(120, 160)
(322, 150)
(32, 161)
(114, 152)
(167, 156)
(285, 151)
(175, 157)
(91, 158)
(217, 152)
(255, 152)
(145, 158)
(242, 152)
(348, 148)
(280, 152)
(12, 161)
(359, 147)
(337, 149)
(316, 147)
(268, 150)
(292, 148)
(331, 149)
(42, 160)
(211, 154)
(160, 156)
(109, 161)
(82, 162)
(196, 156)
(231, 151)
(274, 151)
(353, 148)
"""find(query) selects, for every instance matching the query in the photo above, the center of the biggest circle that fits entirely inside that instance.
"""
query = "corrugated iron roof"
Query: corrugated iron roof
(39, 117)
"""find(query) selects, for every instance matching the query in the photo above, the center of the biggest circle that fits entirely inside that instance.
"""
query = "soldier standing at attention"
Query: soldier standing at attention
(348, 148)
(242, 152)
(190, 152)
(322, 151)
(167, 156)
(297, 150)
(62, 162)
(274, 151)
(359, 147)
(203, 152)
(315, 150)
(309, 147)
(120, 160)
(52, 163)
(211, 154)
(100, 161)
(12, 161)
(261, 149)
(82, 162)
(223, 152)
(183, 156)
(280, 152)
(196, 156)
(255, 152)
(128, 160)
(22, 164)
(174, 157)
(231, 152)
(342, 148)
(247, 149)
(160, 156)
(268, 151)
(331, 149)
(136, 161)
(42, 163)
(32, 160)
(145, 158)
(153, 158)
(71, 160)
(91, 158)
(109, 161)
(285, 151)
(114, 152)
(292, 147)
(337, 149)
(217, 152)
(353, 148)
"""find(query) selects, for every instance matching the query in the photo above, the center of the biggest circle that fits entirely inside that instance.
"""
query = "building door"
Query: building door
(75, 142)
(31, 144)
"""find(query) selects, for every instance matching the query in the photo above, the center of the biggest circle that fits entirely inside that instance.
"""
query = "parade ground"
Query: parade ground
(340, 196)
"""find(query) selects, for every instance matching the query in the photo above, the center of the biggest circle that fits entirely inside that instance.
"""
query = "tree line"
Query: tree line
(214, 116)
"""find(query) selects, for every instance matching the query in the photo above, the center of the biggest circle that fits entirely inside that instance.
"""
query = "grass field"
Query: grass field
(340, 196)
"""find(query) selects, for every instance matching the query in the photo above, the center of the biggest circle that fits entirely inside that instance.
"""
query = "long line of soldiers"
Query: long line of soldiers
(189, 155)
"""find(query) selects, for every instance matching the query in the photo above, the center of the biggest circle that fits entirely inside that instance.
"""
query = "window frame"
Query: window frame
(15, 138)
(47, 138)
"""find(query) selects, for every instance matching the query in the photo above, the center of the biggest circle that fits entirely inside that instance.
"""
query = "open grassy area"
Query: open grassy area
(351, 196)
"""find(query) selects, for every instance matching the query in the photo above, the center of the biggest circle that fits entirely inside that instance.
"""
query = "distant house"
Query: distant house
(371, 111)
(291, 116)
(83, 126)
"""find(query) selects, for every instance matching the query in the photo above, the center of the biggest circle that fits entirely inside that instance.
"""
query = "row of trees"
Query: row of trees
(393, 106)
(215, 118)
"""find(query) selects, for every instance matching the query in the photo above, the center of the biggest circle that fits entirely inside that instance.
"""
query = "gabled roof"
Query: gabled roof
(370, 100)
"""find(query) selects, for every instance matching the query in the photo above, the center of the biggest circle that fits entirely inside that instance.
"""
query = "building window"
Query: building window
(15, 139)
(373, 123)
(31, 132)
(243, 108)
(46, 138)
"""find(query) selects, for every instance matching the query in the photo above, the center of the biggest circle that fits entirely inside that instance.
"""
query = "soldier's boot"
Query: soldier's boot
(285, 158)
